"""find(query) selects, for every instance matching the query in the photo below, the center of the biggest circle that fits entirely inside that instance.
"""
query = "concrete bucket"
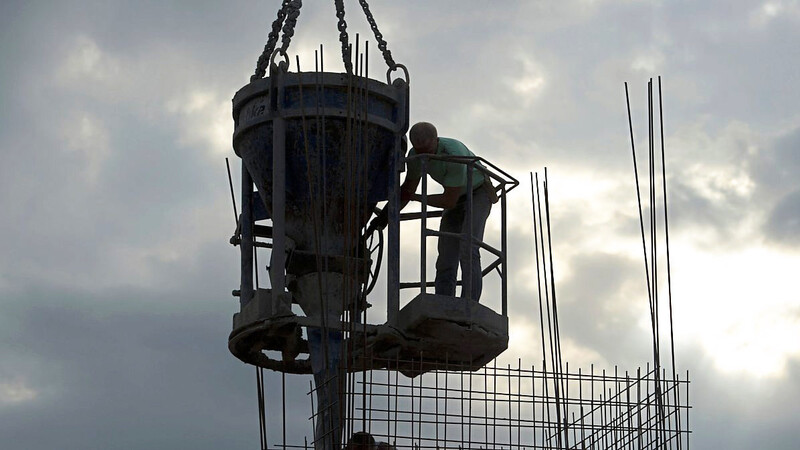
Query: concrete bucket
(322, 150)
(333, 139)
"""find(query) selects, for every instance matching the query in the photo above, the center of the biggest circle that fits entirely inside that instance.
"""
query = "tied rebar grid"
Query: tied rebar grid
(506, 407)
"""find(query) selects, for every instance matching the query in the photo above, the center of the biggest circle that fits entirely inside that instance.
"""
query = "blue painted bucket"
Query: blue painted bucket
(341, 148)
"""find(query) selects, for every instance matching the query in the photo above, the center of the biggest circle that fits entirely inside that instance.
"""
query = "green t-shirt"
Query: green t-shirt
(448, 174)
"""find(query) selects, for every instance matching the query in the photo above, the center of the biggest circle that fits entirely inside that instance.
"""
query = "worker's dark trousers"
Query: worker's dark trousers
(456, 249)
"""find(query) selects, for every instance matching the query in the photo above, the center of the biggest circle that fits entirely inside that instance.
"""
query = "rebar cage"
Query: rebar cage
(515, 407)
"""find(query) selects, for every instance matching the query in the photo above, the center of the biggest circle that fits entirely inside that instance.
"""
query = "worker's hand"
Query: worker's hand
(380, 221)
(412, 197)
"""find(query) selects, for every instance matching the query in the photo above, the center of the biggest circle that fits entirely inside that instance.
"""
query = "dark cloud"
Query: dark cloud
(783, 222)
(777, 171)
(692, 211)
(136, 378)
(777, 167)
(134, 372)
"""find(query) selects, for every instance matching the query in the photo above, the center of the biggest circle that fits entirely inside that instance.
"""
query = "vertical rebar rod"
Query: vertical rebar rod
(618, 412)
(666, 235)
(660, 429)
(653, 220)
(546, 299)
(446, 394)
(461, 404)
(485, 404)
(510, 403)
(629, 407)
(469, 416)
(412, 404)
(519, 404)
(436, 406)
(396, 384)
(494, 403)
(638, 194)
(233, 195)
(556, 352)
(314, 415)
(419, 414)
(283, 405)
(687, 408)
(603, 412)
(564, 409)
(653, 229)
(262, 419)
(533, 405)
(581, 409)
(538, 270)
(591, 394)
(369, 409)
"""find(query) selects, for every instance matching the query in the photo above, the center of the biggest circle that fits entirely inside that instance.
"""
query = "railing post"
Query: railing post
(466, 285)
(503, 249)
(246, 234)
(423, 235)
(393, 265)
(278, 260)
(393, 238)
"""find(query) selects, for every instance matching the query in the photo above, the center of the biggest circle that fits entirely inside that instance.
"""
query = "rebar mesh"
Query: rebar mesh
(517, 407)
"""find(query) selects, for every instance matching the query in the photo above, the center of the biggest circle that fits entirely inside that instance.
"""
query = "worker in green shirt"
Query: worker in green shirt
(453, 176)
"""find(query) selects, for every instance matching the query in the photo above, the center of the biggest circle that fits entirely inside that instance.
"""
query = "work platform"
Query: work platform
(431, 330)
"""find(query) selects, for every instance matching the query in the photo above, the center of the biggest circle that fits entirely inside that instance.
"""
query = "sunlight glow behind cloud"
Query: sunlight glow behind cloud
(85, 60)
(205, 118)
(741, 307)
(772, 10)
(87, 137)
(16, 391)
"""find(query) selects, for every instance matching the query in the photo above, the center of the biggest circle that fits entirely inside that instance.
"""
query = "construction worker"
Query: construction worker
(361, 440)
(453, 177)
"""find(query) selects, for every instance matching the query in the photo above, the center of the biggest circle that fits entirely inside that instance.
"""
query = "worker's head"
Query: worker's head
(361, 440)
(424, 137)
(385, 446)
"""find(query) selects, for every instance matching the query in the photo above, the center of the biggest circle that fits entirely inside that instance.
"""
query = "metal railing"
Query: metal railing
(502, 183)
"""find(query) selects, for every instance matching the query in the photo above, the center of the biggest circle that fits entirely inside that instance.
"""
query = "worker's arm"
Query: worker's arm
(445, 200)
(408, 188)
(406, 194)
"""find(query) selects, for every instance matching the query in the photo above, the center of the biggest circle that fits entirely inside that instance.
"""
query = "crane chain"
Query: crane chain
(286, 21)
(292, 13)
(343, 38)
(272, 40)
(382, 46)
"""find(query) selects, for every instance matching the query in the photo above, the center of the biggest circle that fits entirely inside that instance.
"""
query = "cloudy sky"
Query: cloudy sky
(115, 271)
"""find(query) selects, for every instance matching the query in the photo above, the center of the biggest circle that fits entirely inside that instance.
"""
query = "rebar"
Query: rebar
(407, 412)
